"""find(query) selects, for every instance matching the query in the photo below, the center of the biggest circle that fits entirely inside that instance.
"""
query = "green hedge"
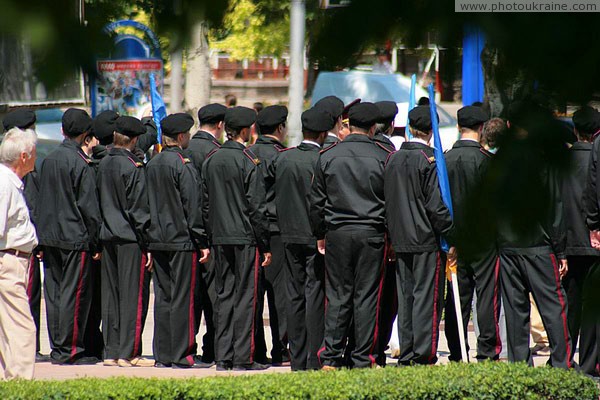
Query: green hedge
(456, 381)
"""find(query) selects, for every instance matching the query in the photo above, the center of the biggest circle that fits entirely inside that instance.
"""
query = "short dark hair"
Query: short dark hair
(121, 140)
(230, 100)
(310, 135)
(232, 132)
(493, 130)
(268, 130)
(258, 106)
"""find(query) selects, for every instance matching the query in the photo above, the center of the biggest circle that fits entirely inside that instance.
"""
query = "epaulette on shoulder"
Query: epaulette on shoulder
(137, 164)
(384, 147)
(216, 143)
(282, 150)
(279, 148)
(248, 153)
(184, 160)
(331, 146)
(84, 157)
(485, 152)
(430, 160)
(212, 152)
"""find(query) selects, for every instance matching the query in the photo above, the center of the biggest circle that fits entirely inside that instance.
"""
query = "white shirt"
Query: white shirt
(311, 142)
(16, 230)
(419, 140)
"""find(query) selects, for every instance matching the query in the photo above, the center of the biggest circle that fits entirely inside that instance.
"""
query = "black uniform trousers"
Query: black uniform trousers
(125, 295)
(538, 274)
(481, 276)
(68, 300)
(205, 304)
(589, 354)
(354, 262)
(236, 306)
(175, 288)
(388, 312)
(93, 339)
(34, 293)
(272, 283)
(306, 304)
(573, 282)
(421, 278)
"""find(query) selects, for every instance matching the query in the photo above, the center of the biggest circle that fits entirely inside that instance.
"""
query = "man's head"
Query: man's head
(76, 124)
(363, 118)
(333, 106)
(238, 123)
(103, 126)
(315, 124)
(20, 118)
(587, 123)
(470, 121)
(419, 120)
(272, 121)
(211, 119)
(230, 100)
(176, 129)
(17, 151)
(127, 131)
(492, 132)
(387, 114)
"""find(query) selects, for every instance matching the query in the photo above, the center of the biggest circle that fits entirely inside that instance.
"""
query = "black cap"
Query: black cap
(471, 116)
(272, 116)
(75, 122)
(240, 117)
(317, 120)
(20, 118)
(211, 113)
(363, 115)
(387, 111)
(587, 120)
(332, 105)
(420, 118)
(104, 124)
(130, 126)
(174, 124)
(348, 106)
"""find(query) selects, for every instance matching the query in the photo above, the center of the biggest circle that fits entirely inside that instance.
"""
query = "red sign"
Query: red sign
(134, 65)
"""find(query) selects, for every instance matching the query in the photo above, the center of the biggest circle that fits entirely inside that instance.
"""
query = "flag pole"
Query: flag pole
(158, 111)
(440, 163)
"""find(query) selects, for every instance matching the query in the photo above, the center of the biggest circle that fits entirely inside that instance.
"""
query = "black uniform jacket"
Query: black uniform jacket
(175, 203)
(67, 210)
(123, 198)
(347, 187)
(591, 197)
(293, 171)
(201, 145)
(233, 197)
(330, 139)
(31, 191)
(266, 150)
(381, 138)
(416, 214)
(578, 235)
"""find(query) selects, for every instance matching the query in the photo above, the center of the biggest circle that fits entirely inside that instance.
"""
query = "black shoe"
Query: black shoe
(224, 366)
(41, 358)
(86, 361)
(162, 365)
(197, 365)
(250, 367)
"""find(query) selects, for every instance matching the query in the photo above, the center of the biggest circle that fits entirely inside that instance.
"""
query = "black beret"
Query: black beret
(130, 126)
(363, 115)
(75, 122)
(272, 116)
(317, 120)
(240, 117)
(174, 124)
(19, 118)
(420, 118)
(211, 113)
(332, 105)
(104, 124)
(387, 111)
(587, 120)
(471, 116)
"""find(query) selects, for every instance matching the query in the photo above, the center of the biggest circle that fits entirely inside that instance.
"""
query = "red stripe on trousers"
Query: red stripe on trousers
(496, 322)
(434, 332)
(77, 306)
(192, 319)
(562, 309)
(254, 300)
(378, 306)
(140, 308)
(30, 279)
(321, 350)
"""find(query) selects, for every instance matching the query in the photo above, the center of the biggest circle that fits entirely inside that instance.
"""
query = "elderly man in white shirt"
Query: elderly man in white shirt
(17, 241)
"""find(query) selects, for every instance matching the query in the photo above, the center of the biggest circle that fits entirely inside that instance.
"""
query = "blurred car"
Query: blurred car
(372, 87)
(48, 127)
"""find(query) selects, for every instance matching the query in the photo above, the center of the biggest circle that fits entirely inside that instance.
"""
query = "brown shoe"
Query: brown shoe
(328, 368)
(110, 363)
(136, 362)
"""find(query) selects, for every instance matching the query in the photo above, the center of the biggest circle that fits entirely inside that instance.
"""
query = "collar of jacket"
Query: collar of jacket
(175, 149)
(232, 144)
(268, 140)
(466, 143)
(357, 137)
(203, 135)
(414, 146)
(123, 152)
(582, 146)
(70, 143)
(308, 147)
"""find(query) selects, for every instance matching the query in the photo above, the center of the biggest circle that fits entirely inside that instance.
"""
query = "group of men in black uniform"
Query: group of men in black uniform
(340, 235)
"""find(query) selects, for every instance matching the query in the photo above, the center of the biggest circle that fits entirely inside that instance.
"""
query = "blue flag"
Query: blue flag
(440, 161)
(412, 101)
(159, 110)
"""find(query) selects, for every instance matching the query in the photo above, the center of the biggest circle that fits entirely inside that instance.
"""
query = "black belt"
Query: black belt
(16, 253)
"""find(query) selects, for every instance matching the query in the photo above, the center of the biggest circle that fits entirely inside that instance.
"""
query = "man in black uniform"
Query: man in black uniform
(178, 241)
(385, 124)
(293, 170)
(203, 143)
(68, 226)
(348, 219)
(467, 164)
(417, 217)
(335, 107)
(103, 127)
(271, 125)
(125, 221)
(234, 209)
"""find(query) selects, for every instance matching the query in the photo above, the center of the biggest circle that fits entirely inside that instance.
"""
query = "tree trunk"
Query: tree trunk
(197, 77)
